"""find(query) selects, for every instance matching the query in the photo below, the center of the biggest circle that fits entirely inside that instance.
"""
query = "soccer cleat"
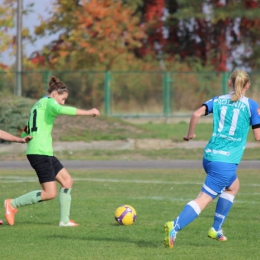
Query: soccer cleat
(1, 222)
(71, 223)
(217, 235)
(10, 211)
(170, 234)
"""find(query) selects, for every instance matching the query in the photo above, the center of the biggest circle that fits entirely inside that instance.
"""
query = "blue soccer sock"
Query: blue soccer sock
(188, 214)
(223, 207)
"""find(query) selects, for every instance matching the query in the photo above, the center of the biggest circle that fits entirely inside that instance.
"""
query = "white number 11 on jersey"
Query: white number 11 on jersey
(233, 122)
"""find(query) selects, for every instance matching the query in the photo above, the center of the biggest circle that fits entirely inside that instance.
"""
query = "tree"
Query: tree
(6, 25)
(193, 33)
(207, 30)
(108, 34)
(99, 32)
(153, 18)
(248, 35)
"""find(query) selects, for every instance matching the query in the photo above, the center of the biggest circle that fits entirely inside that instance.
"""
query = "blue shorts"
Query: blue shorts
(220, 175)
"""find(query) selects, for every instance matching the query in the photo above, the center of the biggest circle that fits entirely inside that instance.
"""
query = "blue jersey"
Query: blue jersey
(231, 122)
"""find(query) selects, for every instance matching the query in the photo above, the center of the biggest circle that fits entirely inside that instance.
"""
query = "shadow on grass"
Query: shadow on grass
(139, 243)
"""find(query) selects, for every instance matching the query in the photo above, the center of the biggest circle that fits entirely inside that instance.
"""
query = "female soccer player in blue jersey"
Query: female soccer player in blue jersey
(11, 138)
(232, 116)
(40, 154)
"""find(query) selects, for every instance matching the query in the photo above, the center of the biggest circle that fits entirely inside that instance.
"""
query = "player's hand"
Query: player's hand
(188, 137)
(94, 112)
(26, 139)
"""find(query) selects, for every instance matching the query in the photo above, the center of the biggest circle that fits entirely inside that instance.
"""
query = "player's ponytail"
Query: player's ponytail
(56, 84)
(239, 79)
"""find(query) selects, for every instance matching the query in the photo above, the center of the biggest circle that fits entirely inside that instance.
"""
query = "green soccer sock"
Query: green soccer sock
(27, 199)
(65, 201)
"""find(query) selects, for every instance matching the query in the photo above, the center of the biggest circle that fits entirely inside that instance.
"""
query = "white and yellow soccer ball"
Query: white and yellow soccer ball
(125, 215)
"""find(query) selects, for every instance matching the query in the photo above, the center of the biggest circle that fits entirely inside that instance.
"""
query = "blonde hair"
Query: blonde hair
(239, 79)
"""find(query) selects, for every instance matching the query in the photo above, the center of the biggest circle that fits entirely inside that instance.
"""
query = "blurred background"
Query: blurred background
(129, 58)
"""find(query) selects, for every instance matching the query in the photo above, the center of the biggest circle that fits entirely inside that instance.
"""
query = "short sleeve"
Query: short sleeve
(57, 109)
(53, 107)
(255, 114)
(209, 105)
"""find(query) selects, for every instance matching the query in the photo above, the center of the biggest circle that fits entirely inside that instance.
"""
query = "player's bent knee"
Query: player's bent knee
(49, 195)
(68, 183)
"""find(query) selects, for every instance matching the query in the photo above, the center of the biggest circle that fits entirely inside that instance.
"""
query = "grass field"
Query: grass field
(157, 195)
(162, 154)
(108, 128)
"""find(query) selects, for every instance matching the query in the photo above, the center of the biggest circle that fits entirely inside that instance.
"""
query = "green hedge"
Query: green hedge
(14, 112)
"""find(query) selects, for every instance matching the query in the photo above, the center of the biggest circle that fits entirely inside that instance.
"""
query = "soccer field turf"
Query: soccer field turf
(157, 195)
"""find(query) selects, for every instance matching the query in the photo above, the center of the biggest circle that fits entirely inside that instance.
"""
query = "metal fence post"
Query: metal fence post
(166, 94)
(224, 82)
(107, 96)
(19, 58)
(46, 78)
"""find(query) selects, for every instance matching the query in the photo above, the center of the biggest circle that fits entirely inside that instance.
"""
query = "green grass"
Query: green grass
(176, 131)
(124, 130)
(116, 129)
(157, 195)
(162, 154)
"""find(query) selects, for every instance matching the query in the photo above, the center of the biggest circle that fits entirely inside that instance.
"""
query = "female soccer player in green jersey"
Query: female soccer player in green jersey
(233, 114)
(40, 154)
(11, 138)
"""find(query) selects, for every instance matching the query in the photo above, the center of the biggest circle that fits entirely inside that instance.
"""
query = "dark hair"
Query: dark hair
(56, 84)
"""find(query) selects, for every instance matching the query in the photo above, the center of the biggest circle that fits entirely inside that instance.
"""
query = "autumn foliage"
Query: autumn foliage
(6, 23)
(101, 31)
(143, 34)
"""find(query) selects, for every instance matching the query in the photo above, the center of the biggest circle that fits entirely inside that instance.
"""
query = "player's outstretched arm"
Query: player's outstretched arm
(92, 112)
(193, 122)
(11, 138)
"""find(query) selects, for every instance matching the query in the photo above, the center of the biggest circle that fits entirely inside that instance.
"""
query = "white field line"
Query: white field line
(159, 198)
(18, 179)
(11, 178)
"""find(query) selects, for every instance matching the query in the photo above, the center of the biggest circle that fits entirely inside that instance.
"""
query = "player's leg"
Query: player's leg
(48, 192)
(43, 166)
(224, 205)
(189, 213)
(192, 209)
(209, 192)
(225, 175)
(66, 182)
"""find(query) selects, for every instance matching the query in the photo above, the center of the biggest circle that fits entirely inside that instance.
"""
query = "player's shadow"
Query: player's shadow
(140, 243)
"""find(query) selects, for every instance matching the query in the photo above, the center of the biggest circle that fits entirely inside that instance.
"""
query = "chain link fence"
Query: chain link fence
(130, 94)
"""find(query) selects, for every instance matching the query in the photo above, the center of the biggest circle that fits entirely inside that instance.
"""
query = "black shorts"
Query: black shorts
(46, 167)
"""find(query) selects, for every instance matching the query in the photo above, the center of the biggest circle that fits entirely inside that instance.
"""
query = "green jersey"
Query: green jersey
(40, 123)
